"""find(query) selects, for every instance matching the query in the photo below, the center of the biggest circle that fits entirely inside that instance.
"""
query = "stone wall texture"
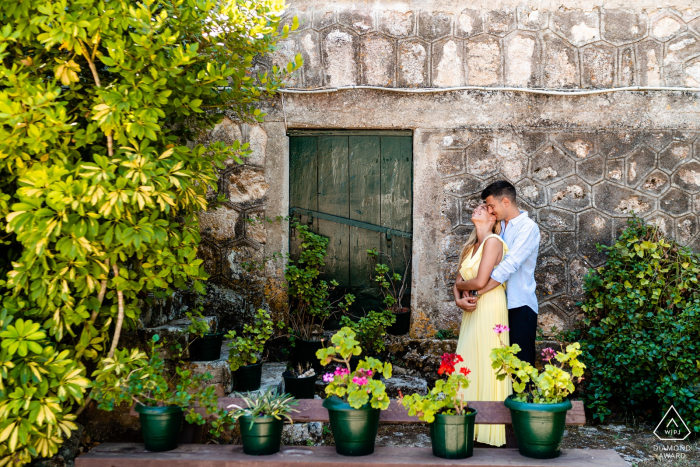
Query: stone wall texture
(582, 165)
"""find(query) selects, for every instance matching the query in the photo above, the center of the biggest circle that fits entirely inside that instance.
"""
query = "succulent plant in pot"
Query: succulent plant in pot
(451, 420)
(354, 398)
(540, 401)
(133, 376)
(261, 420)
(245, 351)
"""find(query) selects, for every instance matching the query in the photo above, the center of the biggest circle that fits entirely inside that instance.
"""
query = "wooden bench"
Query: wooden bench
(495, 413)
(311, 410)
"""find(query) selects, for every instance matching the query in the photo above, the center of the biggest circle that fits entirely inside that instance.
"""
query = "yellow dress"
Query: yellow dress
(476, 339)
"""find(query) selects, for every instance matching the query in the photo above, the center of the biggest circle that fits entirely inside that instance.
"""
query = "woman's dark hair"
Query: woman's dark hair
(499, 189)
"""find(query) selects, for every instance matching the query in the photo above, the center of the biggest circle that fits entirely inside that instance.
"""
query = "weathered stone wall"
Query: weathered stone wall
(581, 164)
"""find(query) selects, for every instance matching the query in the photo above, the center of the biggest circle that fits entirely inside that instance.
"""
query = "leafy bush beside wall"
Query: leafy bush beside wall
(642, 341)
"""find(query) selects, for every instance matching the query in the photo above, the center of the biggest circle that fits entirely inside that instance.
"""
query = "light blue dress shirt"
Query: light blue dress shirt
(518, 267)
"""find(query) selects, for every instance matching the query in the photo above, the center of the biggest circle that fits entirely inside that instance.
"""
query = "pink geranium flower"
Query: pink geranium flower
(548, 354)
(328, 377)
(501, 328)
(359, 380)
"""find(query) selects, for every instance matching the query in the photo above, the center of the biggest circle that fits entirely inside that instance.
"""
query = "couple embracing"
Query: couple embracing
(496, 285)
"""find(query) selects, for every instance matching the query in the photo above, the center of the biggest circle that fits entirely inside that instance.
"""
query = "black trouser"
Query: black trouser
(522, 322)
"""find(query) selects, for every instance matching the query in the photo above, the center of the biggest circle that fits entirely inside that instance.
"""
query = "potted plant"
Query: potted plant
(310, 304)
(393, 287)
(244, 351)
(354, 398)
(370, 331)
(204, 342)
(300, 382)
(262, 419)
(133, 376)
(451, 420)
(540, 401)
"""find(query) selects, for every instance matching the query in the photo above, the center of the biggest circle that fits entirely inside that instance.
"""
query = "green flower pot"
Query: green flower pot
(539, 428)
(354, 430)
(247, 378)
(206, 348)
(261, 435)
(452, 436)
(160, 426)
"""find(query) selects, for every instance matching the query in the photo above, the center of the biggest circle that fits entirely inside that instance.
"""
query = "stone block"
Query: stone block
(550, 276)
(692, 73)
(551, 320)
(463, 185)
(413, 64)
(639, 164)
(406, 385)
(451, 163)
(591, 169)
(285, 53)
(679, 50)
(257, 137)
(618, 201)
(324, 16)
(572, 194)
(649, 57)
(674, 155)
(675, 202)
(615, 170)
(340, 50)
(534, 193)
(666, 26)
(469, 23)
(512, 158)
(662, 222)
(523, 54)
(397, 23)
(687, 177)
(532, 20)
(219, 223)
(433, 25)
(577, 273)
(655, 183)
(500, 22)
(598, 66)
(578, 145)
(550, 164)
(450, 210)
(448, 63)
(556, 219)
(533, 140)
(578, 27)
(360, 20)
(565, 243)
(627, 74)
(560, 63)
(255, 227)
(694, 25)
(593, 227)
(310, 52)
(624, 26)
(686, 229)
(246, 184)
(658, 139)
(378, 55)
(482, 158)
(612, 144)
(484, 61)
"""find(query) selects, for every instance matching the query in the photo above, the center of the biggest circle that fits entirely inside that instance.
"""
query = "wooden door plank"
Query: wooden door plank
(303, 175)
(333, 198)
(488, 412)
(206, 455)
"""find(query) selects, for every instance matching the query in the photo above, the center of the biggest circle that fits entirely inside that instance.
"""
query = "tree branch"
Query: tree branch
(120, 316)
(96, 77)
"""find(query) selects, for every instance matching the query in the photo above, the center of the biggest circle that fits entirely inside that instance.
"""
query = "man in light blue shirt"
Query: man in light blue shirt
(522, 236)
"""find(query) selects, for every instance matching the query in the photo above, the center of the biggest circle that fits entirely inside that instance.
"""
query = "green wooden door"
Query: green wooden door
(356, 189)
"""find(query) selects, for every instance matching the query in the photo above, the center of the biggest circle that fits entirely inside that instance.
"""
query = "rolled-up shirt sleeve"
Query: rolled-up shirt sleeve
(525, 243)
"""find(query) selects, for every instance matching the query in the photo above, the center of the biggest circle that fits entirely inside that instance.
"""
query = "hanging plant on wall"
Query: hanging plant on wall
(99, 192)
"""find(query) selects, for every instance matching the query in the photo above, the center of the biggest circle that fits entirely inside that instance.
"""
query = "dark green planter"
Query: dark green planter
(539, 428)
(206, 348)
(261, 435)
(355, 360)
(402, 324)
(160, 426)
(305, 354)
(247, 378)
(354, 430)
(452, 436)
(300, 388)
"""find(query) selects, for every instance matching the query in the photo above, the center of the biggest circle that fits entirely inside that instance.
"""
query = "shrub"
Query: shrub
(245, 349)
(642, 337)
(370, 329)
(99, 192)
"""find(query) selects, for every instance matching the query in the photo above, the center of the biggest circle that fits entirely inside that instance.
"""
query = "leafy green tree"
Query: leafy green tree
(99, 191)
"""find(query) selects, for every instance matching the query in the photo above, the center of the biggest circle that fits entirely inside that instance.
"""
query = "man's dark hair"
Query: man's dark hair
(499, 189)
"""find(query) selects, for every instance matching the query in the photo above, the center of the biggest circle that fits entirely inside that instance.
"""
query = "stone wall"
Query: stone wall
(581, 164)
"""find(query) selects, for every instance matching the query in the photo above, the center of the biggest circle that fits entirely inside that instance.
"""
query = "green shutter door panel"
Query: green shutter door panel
(361, 178)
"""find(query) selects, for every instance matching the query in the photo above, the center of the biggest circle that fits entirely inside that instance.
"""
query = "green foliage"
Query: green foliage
(244, 350)
(309, 296)
(392, 285)
(198, 326)
(642, 322)
(446, 334)
(99, 192)
(370, 329)
(134, 376)
(267, 404)
(551, 386)
(357, 388)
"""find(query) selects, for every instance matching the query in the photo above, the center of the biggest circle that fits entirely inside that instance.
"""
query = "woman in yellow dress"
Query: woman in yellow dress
(480, 255)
